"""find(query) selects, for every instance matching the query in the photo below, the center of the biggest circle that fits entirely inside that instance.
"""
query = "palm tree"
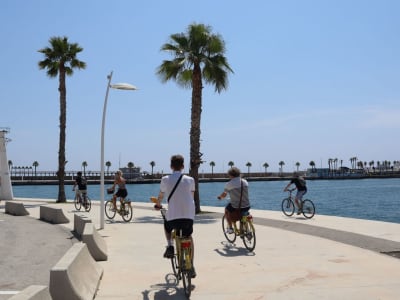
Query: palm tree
(297, 166)
(281, 164)
(231, 164)
(108, 165)
(212, 164)
(265, 165)
(60, 60)
(312, 165)
(248, 165)
(10, 164)
(35, 165)
(130, 166)
(198, 55)
(84, 165)
(152, 164)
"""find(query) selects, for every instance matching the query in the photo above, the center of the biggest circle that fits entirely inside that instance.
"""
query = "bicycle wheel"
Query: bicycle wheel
(231, 237)
(109, 210)
(77, 203)
(249, 235)
(308, 209)
(88, 203)
(186, 273)
(175, 267)
(287, 207)
(127, 212)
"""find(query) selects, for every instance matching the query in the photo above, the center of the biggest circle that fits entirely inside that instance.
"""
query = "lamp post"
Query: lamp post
(118, 86)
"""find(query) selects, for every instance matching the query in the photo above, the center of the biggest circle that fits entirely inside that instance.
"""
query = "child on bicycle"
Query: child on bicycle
(122, 191)
(301, 187)
(81, 182)
(236, 187)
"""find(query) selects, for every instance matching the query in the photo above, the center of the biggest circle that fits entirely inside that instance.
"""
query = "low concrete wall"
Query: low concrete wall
(79, 223)
(33, 292)
(16, 208)
(95, 242)
(53, 215)
(76, 276)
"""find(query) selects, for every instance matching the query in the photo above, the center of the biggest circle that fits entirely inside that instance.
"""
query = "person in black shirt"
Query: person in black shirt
(81, 182)
(301, 187)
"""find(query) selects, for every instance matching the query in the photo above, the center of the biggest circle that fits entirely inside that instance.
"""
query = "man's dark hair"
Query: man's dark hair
(177, 162)
(234, 172)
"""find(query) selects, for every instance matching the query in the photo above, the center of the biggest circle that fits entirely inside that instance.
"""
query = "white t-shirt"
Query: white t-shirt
(233, 188)
(181, 204)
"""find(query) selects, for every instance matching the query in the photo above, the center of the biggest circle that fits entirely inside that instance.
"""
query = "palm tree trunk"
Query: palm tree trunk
(61, 151)
(195, 156)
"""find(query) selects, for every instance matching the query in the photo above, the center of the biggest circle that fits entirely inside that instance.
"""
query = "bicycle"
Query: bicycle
(181, 262)
(246, 231)
(288, 206)
(78, 201)
(124, 210)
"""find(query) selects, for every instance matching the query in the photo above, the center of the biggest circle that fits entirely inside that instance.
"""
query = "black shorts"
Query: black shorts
(122, 193)
(230, 208)
(186, 225)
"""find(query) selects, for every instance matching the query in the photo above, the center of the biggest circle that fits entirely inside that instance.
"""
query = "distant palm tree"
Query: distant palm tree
(35, 165)
(248, 165)
(265, 165)
(312, 165)
(60, 60)
(84, 165)
(152, 164)
(297, 166)
(231, 164)
(281, 164)
(212, 164)
(108, 165)
(130, 166)
(10, 164)
(198, 55)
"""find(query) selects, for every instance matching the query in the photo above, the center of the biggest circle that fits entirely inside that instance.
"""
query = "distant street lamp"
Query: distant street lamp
(118, 86)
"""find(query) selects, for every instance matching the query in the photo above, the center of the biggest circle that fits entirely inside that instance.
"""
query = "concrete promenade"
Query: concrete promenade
(322, 258)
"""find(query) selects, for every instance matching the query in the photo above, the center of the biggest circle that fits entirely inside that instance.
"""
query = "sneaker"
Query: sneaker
(169, 252)
(193, 273)
(229, 230)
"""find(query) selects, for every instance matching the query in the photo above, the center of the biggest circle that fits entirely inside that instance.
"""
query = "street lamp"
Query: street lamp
(118, 86)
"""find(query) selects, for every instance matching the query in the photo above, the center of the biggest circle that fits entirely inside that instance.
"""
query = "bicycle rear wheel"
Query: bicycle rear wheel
(186, 273)
(175, 267)
(308, 209)
(109, 210)
(77, 203)
(127, 212)
(249, 235)
(231, 237)
(87, 203)
(288, 207)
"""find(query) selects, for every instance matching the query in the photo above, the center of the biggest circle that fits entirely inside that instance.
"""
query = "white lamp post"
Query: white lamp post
(118, 86)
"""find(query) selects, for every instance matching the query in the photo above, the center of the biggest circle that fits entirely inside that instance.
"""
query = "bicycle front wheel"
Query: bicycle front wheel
(288, 207)
(308, 209)
(186, 273)
(87, 203)
(231, 237)
(77, 203)
(127, 212)
(109, 210)
(249, 236)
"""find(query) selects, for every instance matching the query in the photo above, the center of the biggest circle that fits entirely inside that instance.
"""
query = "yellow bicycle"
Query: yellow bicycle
(245, 231)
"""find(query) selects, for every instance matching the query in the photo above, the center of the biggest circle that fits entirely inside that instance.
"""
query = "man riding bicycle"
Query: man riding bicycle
(81, 182)
(301, 187)
(179, 190)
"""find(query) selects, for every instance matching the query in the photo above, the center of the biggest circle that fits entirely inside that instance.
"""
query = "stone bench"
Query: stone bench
(76, 275)
(53, 215)
(16, 208)
(33, 292)
(95, 242)
(79, 224)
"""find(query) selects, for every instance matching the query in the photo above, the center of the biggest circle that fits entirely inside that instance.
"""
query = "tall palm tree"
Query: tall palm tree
(198, 55)
(231, 164)
(35, 165)
(265, 165)
(84, 166)
(152, 164)
(248, 165)
(60, 59)
(108, 165)
(212, 164)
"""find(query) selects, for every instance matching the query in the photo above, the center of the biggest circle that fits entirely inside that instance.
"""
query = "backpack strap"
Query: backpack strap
(173, 190)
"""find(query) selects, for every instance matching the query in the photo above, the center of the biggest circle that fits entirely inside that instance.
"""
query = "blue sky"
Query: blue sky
(312, 80)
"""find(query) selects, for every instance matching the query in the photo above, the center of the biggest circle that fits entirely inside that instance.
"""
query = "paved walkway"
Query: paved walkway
(322, 258)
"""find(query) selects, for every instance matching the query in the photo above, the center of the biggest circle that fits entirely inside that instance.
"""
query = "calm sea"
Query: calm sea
(373, 199)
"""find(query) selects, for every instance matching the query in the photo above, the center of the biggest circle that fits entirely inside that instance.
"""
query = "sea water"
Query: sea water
(372, 199)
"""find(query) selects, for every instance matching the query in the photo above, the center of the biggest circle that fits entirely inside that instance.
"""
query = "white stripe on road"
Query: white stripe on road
(9, 292)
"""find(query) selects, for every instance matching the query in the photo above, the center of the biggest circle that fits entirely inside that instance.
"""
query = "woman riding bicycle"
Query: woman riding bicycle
(301, 187)
(236, 188)
(122, 191)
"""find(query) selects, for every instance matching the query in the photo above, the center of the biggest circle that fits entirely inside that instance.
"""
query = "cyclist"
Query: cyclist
(235, 187)
(301, 187)
(122, 191)
(81, 182)
(181, 209)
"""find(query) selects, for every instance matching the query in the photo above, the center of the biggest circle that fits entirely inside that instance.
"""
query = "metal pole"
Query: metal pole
(102, 155)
